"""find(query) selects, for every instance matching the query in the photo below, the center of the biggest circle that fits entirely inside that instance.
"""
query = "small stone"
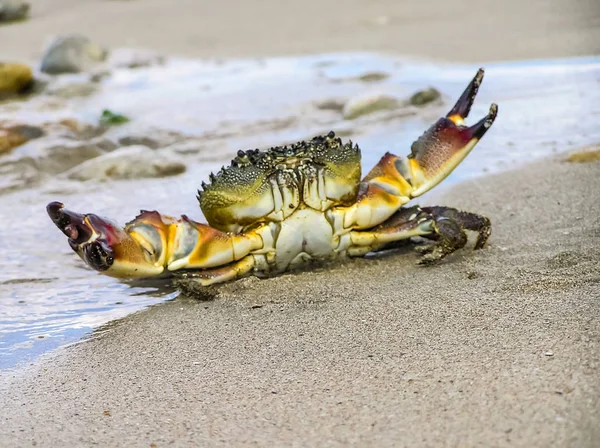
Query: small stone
(71, 54)
(14, 78)
(335, 104)
(16, 135)
(367, 104)
(373, 77)
(13, 10)
(584, 156)
(549, 353)
(131, 162)
(423, 97)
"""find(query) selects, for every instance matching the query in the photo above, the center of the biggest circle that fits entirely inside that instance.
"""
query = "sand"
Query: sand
(460, 30)
(499, 347)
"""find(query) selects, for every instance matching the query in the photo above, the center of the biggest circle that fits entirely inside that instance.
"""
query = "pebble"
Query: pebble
(71, 54)
(585, 156)
(367, 104)
(13, 10)
(426, 96)
(130, 162)
(14, 78)
(16, 135)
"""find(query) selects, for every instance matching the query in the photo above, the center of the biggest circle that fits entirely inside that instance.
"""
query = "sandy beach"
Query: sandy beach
(499, 347)
(462, 31)
(496, 348)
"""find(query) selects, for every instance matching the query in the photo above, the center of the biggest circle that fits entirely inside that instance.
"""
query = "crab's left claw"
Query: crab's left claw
(103, 245)
(445, 144)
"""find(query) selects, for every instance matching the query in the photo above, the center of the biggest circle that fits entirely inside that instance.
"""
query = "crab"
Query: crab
(275, 210)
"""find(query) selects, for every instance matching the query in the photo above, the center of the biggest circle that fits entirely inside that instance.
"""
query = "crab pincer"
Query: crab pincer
(446, 143)
(101, 243)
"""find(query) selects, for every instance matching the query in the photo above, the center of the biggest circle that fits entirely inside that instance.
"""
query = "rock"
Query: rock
(71, 54)
(57, 155)
(334, 104)
(49, 156)
(16, 135)
(14, 78)
(13, 10)
(423, 97)
(373, 77)
(585, 156)
(131, 162)
(367, 104)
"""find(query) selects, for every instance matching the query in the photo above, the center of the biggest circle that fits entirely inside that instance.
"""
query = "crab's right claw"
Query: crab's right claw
(445, 144)
(103, 245)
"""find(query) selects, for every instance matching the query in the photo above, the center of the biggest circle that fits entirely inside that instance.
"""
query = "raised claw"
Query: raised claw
(461, 109)
(445, 144)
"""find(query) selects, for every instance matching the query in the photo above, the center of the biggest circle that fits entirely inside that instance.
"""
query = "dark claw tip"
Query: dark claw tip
(54, 209)
(70, 223)
(464, 103)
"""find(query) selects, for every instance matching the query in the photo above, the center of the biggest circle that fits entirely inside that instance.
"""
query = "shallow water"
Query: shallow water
(49, 298)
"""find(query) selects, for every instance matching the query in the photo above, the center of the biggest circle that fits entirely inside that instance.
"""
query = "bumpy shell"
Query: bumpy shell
(262, 186)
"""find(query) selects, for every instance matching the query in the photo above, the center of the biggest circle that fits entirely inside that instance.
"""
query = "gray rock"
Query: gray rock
(334, 104)
(12, 10)
(426, 96)
(61, 155)
(47, 156)
(131, 162)
(71, 54)
(367, 104)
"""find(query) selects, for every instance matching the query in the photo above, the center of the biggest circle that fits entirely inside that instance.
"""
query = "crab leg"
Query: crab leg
(445, 225)
(394, 181)
(223, 274)
(151, 244)
(404, 224)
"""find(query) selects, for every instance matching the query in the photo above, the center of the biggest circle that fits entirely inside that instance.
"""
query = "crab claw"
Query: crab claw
(445, 144)
(102, 244)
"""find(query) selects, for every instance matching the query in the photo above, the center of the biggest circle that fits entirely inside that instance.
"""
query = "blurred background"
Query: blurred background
(459, 30)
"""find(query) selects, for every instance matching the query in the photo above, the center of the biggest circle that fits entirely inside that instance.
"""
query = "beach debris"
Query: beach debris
(131, 162)
(13, 10)
(14, 78)
(71, 54)
(110, 118)
(278, 209)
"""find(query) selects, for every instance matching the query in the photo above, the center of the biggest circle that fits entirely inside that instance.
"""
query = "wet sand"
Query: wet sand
(459, 31)
(493, 348)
